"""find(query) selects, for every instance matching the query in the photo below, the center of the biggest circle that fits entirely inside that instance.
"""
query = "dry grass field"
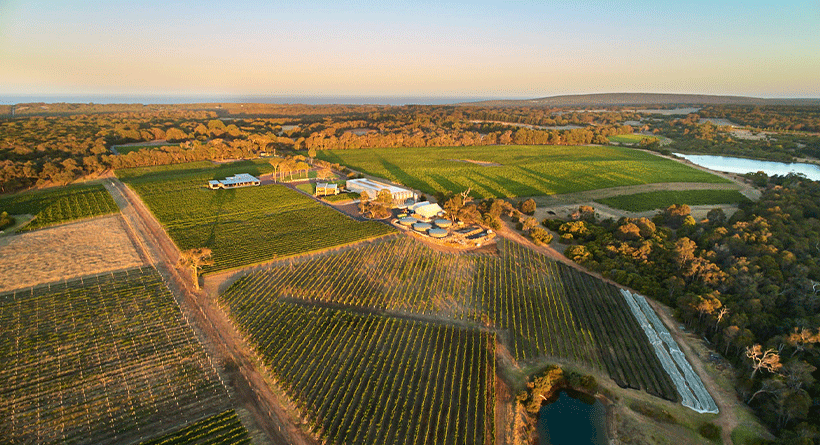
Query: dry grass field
(67, 251)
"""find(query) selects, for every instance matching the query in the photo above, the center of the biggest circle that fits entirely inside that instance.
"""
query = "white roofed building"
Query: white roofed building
(238, 180)
(372, 188)
(427, 210)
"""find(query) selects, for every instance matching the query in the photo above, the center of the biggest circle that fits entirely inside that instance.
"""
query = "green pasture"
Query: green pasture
(523, 170)
(246, 225)
(642, 202)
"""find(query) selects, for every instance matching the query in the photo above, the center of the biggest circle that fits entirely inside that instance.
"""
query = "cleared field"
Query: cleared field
(549, 310)
(64, 252)
(220, 429)
(630, 138)
(59, 205)
(365, 379)
(510, 171)
(101, 360)
(642, 202)
(246, 225)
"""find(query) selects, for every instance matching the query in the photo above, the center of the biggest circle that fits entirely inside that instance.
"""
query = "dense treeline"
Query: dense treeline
(692, 134)
(775, 118)
(748, 283)
(38, 150)
(56, 143)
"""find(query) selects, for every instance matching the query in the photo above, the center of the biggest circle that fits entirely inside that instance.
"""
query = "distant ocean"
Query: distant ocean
(308, 100)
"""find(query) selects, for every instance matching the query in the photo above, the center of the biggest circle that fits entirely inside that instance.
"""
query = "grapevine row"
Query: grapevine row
(549, 309)
(361, 379)
(99, 360)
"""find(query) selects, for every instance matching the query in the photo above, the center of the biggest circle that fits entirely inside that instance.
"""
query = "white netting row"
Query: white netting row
(689, 385)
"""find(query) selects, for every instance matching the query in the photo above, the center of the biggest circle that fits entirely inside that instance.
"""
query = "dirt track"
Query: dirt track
(210, 323)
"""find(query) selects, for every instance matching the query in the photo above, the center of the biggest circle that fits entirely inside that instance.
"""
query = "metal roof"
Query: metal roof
(239, 178)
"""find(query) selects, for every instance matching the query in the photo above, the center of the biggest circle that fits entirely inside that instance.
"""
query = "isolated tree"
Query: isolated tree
(276, 163)
(195, 259)
(364, 198)
(768, 359)
(324, 173)
(528, 206)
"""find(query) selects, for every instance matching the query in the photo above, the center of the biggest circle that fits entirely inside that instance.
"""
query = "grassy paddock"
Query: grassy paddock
(521, 170)
(246, 225)
(60, 204)
(642, 202)
(341, 197)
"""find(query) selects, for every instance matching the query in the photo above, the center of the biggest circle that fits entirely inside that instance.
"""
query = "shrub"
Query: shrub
(552, 224)
(528, 206)
(6, 220)
(710, 431)
(540, 236)
(653, 412)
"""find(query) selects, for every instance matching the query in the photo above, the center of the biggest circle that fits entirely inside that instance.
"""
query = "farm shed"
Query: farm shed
(238, 180)
(372, 188)
(325, 188)
(428, 210)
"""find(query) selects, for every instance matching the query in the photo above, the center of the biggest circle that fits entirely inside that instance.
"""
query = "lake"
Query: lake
(572, 419)
(742, 165)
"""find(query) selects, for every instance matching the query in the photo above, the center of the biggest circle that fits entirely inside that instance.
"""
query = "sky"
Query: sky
(499, 49)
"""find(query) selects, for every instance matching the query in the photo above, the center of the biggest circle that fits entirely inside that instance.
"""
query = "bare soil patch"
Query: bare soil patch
(481, 163)
(67, 251)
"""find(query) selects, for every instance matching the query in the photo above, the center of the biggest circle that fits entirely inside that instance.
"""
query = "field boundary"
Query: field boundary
(211, 326)
(215, 283)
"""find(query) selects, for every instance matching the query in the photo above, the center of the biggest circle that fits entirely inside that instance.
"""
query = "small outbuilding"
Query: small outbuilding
(326, 188)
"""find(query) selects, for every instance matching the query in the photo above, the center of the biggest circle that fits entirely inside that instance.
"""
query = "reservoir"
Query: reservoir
(572, 418)
(742, 165)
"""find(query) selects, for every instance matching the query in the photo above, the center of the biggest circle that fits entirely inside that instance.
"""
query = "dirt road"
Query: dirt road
(212, 326)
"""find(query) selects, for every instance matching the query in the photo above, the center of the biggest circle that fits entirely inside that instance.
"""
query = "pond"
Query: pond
(742, 165)
(572, 418)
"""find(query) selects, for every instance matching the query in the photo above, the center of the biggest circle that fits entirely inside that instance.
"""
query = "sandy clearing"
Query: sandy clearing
(88, 247)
